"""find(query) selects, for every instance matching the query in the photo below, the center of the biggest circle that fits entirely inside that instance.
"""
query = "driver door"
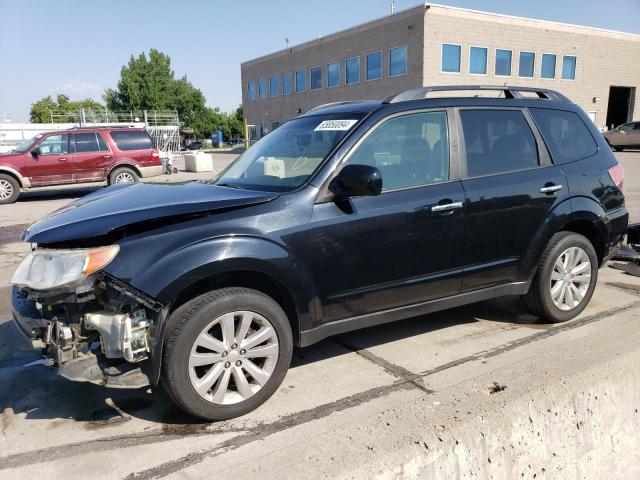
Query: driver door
(52, 166)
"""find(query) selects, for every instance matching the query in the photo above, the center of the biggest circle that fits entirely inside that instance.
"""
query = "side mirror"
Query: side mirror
(36, 151)
(357, 181)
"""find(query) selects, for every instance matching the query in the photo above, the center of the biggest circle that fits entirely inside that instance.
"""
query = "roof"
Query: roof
(363, 106)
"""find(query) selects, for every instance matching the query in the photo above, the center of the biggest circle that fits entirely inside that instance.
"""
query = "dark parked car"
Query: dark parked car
(624, 136)
(195, 145)
(351, 215)
(78, 156)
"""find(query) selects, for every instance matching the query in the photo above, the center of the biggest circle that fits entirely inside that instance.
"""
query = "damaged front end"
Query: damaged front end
(95, 327)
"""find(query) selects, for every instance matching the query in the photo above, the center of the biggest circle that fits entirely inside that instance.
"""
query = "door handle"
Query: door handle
(446, 207)
(107, 156)
(550, 188)
(62, 159)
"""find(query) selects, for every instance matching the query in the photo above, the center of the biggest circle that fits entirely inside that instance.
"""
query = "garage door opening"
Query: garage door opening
(620, 108)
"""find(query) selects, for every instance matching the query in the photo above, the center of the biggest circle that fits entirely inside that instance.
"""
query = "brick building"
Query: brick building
(440, 45)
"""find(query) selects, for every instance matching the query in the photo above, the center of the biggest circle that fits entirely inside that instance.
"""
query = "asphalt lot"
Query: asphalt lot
(389, 401)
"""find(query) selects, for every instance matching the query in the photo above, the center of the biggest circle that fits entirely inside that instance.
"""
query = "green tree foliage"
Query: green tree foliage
(150, 84)
(42, 109)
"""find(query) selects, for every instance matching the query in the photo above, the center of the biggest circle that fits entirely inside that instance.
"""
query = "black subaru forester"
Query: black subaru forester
(351, 215)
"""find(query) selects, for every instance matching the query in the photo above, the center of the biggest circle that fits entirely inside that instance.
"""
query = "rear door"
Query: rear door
(511, 186)
(53, 165)
(91, 158)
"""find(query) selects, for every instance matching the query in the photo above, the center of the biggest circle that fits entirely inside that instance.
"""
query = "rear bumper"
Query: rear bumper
(152, 171)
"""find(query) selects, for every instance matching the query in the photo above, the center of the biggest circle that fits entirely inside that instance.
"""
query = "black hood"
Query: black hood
(105, 210)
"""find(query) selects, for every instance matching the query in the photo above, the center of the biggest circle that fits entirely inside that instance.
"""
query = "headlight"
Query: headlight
(45, 269)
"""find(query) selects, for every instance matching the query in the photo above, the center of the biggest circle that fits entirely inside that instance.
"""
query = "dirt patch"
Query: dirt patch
(11, 233)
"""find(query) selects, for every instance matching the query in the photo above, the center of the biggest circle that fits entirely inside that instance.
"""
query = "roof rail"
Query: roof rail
(331, 104)
(509, 92)
(89, 127)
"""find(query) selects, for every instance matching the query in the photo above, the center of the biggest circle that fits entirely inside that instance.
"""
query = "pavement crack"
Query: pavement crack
(395, 370)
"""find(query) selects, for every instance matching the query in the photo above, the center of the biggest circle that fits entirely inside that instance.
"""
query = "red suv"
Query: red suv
(78, 156)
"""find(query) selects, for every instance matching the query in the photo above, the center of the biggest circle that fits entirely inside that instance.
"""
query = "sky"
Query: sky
(77, 47)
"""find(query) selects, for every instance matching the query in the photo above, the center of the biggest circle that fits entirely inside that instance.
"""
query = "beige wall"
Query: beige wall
(404, 28)
(603, 58)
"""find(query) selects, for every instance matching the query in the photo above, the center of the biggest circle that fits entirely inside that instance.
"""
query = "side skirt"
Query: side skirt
(314, 335)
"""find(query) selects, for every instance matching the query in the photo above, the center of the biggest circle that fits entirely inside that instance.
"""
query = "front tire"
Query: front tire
(565, 280)
(9, 189)
(226, 352)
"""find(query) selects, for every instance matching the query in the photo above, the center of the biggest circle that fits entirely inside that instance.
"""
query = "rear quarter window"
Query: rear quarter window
(565, 134)
(135, 140)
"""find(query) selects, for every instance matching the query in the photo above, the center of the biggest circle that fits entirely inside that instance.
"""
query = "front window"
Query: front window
(527, 64)
(273, 86)
(24, 146)
(568, 67)
(478, 60)
(286, 84)
(374, 66)
(548, 66)
(333, 74)
(284, 159)
(262, 88)
(55, 145)
(450, 58)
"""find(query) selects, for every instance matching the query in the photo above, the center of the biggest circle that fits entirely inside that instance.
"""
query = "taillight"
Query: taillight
(617, 175)
(155, 155)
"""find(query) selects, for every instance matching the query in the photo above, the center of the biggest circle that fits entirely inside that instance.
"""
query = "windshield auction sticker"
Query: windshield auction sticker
(335, 125)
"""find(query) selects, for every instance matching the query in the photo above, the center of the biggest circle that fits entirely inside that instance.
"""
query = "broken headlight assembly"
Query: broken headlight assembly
(47, 269)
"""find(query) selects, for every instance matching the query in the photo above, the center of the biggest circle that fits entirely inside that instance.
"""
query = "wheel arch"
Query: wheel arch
(125, 164)
(13, 174)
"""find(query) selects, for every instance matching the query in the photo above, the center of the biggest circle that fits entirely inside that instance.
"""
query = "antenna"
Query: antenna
(393, 7)
(286, 40)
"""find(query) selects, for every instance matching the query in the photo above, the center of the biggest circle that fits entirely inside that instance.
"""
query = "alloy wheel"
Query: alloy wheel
(6, 190)
(233, 357)
(570, 278)
(124, 177)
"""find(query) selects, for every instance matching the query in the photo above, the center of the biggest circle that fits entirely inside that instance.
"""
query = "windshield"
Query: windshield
(24, 146)
(285, 158)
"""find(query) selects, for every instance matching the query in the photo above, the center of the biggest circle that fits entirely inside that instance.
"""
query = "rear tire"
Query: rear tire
(569, 263)
(123, 175)
(9, 189)
(226, 352)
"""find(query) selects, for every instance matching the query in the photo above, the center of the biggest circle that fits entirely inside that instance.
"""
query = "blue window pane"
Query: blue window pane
(548, 66)
(333, 75)
(569, 67)
(503, 62)
(301, 81)
(374, 66)
(251, 90)
(352, 67)
(527, 64)
(286, 84)
(273, 86)
(262, 88)
(398, 61)
(316, 78)
(450, 58)
(478, 60)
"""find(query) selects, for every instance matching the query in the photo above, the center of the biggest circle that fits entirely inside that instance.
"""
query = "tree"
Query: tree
(62, 107)
(150, 84)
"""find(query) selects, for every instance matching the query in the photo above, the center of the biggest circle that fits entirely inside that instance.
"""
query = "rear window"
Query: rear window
(89, 142)
(135, 140)
(565, 134)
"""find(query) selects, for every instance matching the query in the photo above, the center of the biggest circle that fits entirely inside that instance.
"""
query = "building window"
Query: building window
(251, 91)
(450, 58)
(274, 88)
(262, 88)
(527, 64)
(478, 60)
(548, 68)
(374, 66)
(398, 61)
(286, 83)
(333, 74)
(568, 67)
(503, 63)
(316, 77)
(301, 81)
(352, 70)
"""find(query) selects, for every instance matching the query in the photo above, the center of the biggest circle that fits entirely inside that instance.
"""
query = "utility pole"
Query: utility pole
(393, 7)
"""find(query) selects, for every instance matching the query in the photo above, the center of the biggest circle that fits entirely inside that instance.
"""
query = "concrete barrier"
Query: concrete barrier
(198, 162)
